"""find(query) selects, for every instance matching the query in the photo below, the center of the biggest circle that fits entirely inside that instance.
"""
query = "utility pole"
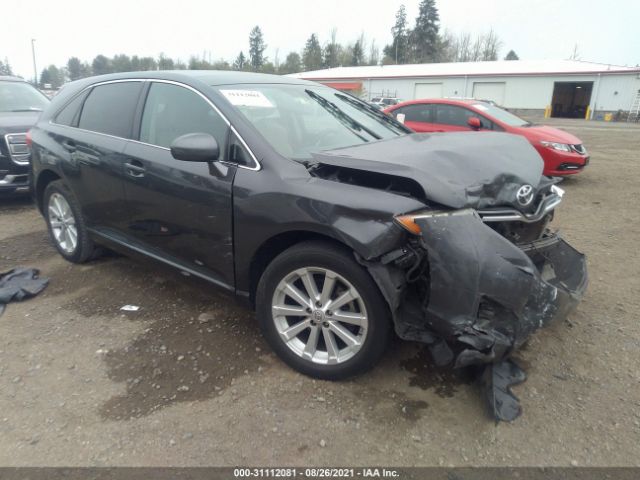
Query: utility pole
(33, 53)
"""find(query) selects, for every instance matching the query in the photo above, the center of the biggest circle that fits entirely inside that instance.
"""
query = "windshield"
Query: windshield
(298, 120)
(20, 97)
(500, 115)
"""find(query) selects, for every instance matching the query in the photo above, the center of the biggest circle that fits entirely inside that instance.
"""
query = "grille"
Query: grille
(18, 149)
(579, 148)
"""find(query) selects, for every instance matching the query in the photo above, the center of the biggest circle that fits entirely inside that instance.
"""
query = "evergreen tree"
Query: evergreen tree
(424, 39)
(331, 53)
(398, 50)
(512, 56)
(240, 62)
(312, 54)
(357, 53)
(5, 67)
(101, 65)
(256, 49)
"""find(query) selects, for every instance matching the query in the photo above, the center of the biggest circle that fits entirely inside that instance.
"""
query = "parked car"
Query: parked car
(385, 102)
(327, 216)
(563, 153)
(20, 105)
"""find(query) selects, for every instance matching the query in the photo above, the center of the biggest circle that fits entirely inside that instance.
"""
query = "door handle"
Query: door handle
(134, 169)
(69, 146)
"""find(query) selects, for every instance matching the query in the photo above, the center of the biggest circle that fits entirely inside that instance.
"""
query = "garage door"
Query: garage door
(427, 90)
(489, 91)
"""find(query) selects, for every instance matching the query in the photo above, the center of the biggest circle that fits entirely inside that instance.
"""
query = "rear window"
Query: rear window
(69, 114)
(110, 108)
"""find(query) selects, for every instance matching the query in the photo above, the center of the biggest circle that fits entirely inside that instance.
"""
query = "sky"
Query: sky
(605, 32)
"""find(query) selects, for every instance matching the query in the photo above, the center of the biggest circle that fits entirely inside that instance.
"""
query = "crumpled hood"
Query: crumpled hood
(458, 170)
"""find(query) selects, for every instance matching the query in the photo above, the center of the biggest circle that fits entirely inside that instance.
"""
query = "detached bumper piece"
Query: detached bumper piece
(488, 295)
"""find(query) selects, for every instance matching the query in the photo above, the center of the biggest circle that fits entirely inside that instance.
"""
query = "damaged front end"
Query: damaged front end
(480, 270)
(476, 284)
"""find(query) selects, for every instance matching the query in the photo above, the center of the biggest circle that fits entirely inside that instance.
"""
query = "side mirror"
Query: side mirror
(195, 147)
(474, 123)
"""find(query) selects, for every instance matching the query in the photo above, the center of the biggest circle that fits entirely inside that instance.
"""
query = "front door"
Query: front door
(181, 209)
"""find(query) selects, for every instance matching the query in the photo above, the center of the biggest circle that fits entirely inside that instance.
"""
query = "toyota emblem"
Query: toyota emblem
(524, 196)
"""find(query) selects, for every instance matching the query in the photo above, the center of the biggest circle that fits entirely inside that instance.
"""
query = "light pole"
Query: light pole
(33, 53)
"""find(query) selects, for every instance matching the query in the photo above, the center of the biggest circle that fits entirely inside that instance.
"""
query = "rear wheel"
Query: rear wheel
(321, 311)
(66, 226)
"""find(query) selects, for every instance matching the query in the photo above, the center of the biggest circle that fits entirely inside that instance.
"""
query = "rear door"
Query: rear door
(419, 117)
(181, 210)
(95, 148)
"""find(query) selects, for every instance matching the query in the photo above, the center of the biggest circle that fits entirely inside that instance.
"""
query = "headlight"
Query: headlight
(563, 147)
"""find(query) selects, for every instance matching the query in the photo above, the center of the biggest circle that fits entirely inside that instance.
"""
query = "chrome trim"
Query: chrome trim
(9, 179)
(254, 168)
(511, 215)
(13, 156)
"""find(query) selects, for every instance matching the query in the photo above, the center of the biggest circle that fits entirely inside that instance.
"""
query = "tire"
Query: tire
(342, 349)
(58, 217)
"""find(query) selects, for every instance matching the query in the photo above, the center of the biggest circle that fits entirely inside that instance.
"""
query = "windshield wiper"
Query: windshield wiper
(379, 115)
(353, 125)
(26, 110)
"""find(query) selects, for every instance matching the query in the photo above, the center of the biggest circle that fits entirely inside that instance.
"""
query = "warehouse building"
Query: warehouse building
(564, 88)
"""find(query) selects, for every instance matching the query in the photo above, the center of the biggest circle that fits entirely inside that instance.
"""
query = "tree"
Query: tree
(147, 63)
(75, 68)
(424, 38)
(312, 54)
(101, 65)
(490, 46)
(575, 54)
(397, 51)
(256, 49)
(512, 56)
(292, 64)
(357, 52)
(165, 63)
(374, 54)
(5, 67)
(331, 53)
(240, 62)
(51, 76)
(121, 63)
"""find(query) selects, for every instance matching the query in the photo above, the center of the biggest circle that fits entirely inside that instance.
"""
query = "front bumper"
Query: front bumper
(488, 295)
(557, 163)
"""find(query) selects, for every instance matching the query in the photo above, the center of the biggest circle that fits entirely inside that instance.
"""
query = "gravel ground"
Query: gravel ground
(187, 379)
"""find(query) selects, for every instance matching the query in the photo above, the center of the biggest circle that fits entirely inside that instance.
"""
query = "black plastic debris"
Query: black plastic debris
(496, 380)
(19, 284)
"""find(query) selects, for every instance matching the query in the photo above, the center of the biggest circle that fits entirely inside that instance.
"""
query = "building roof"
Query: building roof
(501, 67)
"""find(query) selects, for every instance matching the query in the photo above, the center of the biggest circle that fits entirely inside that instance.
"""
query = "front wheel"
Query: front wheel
(321, 311)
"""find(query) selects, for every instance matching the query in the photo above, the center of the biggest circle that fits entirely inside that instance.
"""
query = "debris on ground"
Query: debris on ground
(19, 284)
(130, 308)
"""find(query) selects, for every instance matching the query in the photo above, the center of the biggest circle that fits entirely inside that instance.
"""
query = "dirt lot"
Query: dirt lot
(83, 383)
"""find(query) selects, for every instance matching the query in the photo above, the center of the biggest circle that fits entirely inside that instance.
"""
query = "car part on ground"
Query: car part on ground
(446, 235)
(19, 284)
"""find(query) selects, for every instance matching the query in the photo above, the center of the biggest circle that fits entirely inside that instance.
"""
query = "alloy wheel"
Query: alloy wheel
(62, 223)
(319, 315)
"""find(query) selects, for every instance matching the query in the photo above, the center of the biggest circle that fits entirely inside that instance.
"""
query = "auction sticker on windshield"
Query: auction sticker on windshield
(247, 98)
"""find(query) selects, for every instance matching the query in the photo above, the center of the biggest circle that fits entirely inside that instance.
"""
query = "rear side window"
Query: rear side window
(172, 111)
(69, 114)
(417, 113)
(110, 108)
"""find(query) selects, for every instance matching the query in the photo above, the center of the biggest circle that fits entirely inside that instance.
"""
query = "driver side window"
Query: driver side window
(171, 111)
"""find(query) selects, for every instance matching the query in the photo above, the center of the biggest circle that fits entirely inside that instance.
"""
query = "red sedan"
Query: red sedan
(563, 153)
